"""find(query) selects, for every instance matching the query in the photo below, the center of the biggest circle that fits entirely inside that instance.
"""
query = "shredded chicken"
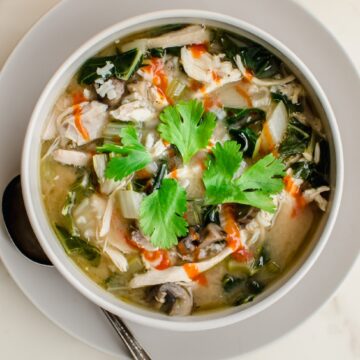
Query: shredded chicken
(134, 108)
(315, 195)
(93, 118)
(209, 69)
(150, 93)
(117, 257)
(110, 90)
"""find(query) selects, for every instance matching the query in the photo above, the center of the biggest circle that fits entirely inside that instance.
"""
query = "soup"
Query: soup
(184, 168)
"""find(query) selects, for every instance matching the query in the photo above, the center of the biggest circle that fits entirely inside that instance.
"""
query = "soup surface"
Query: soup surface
(183, 169)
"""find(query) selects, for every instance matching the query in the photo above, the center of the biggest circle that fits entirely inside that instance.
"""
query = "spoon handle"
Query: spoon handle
(136, 350)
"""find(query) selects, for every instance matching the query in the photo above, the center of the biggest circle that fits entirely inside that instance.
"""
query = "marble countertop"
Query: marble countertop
(332, 333)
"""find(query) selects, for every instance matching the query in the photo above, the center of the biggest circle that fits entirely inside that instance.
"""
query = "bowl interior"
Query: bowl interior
(53, 248)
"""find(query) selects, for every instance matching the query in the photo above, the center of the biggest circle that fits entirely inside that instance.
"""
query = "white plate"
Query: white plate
(23, 77)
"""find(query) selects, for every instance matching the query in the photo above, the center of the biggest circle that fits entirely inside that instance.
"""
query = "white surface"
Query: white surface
(336, 332)
(38, 217)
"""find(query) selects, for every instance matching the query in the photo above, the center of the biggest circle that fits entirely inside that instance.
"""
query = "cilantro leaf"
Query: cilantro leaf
(264, 175)
(221, 168)
(161, 214)
(131, 156)
(254, 187)
(187, 126)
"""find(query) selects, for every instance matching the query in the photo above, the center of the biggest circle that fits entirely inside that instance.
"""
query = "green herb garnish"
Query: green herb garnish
(131, 156)
(161, 214)
(255, 187)
(187, 126)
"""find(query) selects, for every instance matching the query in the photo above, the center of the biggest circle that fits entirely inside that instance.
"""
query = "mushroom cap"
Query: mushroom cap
(173, 298)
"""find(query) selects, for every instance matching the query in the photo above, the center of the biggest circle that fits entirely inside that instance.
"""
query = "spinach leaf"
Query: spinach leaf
(230, 282)
(161, 52)
(74, 245)
(125, 64)
(87, 73)
(210, 214)
(310, 172)
(254, 286)
(239, 118)
(296, 139)
(231, 43)
(298, 107)
(246, 138)
(323, 166)
(261, 62)
(238, 121)
(156, 52)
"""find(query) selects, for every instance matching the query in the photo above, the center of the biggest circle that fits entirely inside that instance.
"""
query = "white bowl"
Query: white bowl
(30, 174)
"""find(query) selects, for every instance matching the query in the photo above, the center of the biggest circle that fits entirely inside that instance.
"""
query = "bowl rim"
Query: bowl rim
(32, 196)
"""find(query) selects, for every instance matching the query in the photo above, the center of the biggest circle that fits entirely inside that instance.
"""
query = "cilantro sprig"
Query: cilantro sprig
(161, 214)
(131, 156)
(254, 187)
(187, 126)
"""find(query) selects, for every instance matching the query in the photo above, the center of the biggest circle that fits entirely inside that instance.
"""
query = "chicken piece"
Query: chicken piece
(93, 117)
(111, 90)
(71, 157)
(315, 195)
(88, 217)
(117, 257)
(134, 108)
(193, 34)
(151, 93)
(62, 104)
(209, 69)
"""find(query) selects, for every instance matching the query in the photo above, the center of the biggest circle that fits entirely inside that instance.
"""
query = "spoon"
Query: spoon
(23, 237)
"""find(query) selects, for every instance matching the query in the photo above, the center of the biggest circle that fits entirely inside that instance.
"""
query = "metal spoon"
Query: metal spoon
(23, 237)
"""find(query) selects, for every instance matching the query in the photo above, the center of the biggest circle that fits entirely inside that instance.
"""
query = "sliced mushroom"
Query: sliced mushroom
(172, 298)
